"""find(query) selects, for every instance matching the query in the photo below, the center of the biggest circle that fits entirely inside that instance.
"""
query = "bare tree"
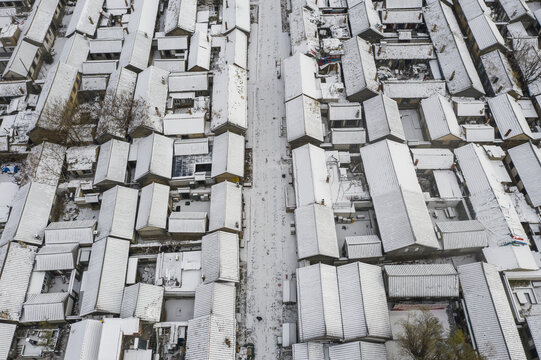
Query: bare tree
(528, 59)
(44, 164)
(116, 113)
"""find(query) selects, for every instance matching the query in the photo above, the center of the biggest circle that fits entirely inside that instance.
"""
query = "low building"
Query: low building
(440, 120)
(303, 28)
(112, 163)
(310, 176)
(48, 308)
(30, 212)
(43, 23)
(200, 49)
(53, 257)
(184, 224)
(318, 303)
(363, 247)
(316, 233)
(117, 213)
(229, 100)
(383, 119)
(211, 337)
(364, 20)
(300, 77)
(189, 125)
(462, 236)
(143, 301)
(45, 162)
(236, 49)
(357, 350)
(498, 76)
(308, 350)
(154, 207)
(81, 160)
(85, 17)
(359, 68)
(25, 62)
(421, 281)
(65, 232)
(179, 273)
(304, 124)
(226, 207)
(220, 257)
(411, 92)
(228, 157)
(493, 328)
(84, 339)
(363, 302)
(180, 17)
(236, 15)
(7, 334)
(218, 299)
(525, 164)
(154, 159)
(105, 277)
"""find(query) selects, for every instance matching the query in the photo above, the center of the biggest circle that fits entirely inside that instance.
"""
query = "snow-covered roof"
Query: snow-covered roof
(229, 98)
(403, 16)
(478, 133)
(81, 158)
(300, 77)
(14, 279)
(105, 277)
(422, 281)
(348, 136)
(357, 350)
(236, 14)
(516, 10)
(401, 212)
(310, 176)
(308, 351)
(473, 8)
(171, 65)
(490, 203)
(491, 318)
(363, 302)
(154, 157)
(211, 337)
(402, 4)
(344, 111)
(57, 257)
(440, 118)
(500, 74)
(80, 232)
(469, 107)
(220, 257)
(198, 146)
(136, 50)
(228, 155)
(359, 67)
(10, 89)
(363, 247)
(303, 28)
(7, 332)
(189, 223)
(105, 46)
(509, 118)
(225, 207)
(534, 324)
(511, 258)
(85, 17)
(152, 90)
(153, 207)
(413, 89)
(200, 46)
(404, 51)
(316, 233)
(432, 158)
(47, 307)
(383, 119)
(44, 163)
(143, 301)
(180, 16)
(113, 32)
(447, 184)
(75, 51)
(112, 336)
(303, 117)
(41, 20)
(188, 81)
(84, 340)
(112, 162)
(236, 48)
(215, 299)
(485, 33)
(318, 303)
(8, 191)
(526, 159)
(364, 18)
(453, 55)
(184, 124)
(30, 212)
(117, 212)
(172, 42)
(462, 234)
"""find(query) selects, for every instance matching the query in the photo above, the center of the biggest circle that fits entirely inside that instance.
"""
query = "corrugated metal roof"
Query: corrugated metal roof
(400, 207)
(106, 276)
(48, 307)
(215, 299)
(7, 332)
(143, 301)
(363, 246)
(455, 60)
(220, 257)
(491, 319)
(440, 118)
(79, 231)
(508, 116)
(153, 207)
(383, 119)
(211, 338)
(117, 213)
(225, 207)
(228, 155)
(84, 340)
(56, 257)
(358, 350)
(318, 303)
(316, 232)
(463, 234)
(308, 351)
(526, 159)
(310, 176)
(363, 302)
(14, 280)
(422, 280)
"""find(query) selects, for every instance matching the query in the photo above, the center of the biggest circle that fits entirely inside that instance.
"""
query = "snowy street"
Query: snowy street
(270, 248)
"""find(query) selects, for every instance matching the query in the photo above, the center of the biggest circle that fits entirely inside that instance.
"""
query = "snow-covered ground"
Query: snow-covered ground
(270, 250)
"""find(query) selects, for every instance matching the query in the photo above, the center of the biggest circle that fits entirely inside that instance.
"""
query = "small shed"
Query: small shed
(217, 299)
(143, 301)
(228, 157)
(117, 213)
(220, 257)
(190, 124)
(226, 207)
(316, 232)
(112, 163)
(308, 351)
(154, 205)
(154, 159)
(421, 281)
